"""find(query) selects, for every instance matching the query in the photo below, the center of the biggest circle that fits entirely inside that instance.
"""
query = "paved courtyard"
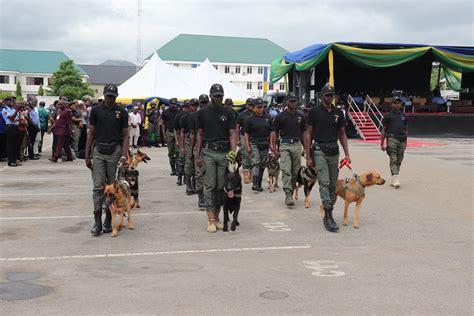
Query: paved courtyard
(412, 254)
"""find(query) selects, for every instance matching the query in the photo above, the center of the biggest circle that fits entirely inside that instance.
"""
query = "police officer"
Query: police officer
(290, 126)
(241, 139)
(198, 170)
(215, 145)
(257, 142)
(229, 104)
(107, 144)
(11, 115)
(325, 125)
(395, 131)
(153, 114)
(168, 116)
(185, 146)
(180, 156)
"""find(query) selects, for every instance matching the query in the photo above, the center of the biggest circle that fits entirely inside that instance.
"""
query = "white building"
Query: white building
(244, 61)
(31, 68)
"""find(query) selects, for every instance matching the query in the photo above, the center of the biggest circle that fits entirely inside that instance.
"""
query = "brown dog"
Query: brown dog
(119, 199)
(353, 190)
(135, 159)
(273, 170)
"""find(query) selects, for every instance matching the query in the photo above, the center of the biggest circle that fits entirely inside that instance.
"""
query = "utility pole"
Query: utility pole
(139, 34)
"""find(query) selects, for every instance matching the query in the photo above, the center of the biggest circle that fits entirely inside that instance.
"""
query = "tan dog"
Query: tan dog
(119, 199)
(353, 190)
(273, 170)
(135, 159)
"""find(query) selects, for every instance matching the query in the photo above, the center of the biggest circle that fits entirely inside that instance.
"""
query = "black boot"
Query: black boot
(193, 184)
(189, 187)
(255, 183)
(180, 180)
(329, 222)
(260, 177)
(201, 199)
(107, 227)
(173, 169)
(97, 227)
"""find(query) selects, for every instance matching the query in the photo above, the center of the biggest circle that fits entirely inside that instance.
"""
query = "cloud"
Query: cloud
(93, 31)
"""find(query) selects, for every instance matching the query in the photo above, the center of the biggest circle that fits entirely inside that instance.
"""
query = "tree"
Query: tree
(41, 91)
(18, 90)
(67, 81)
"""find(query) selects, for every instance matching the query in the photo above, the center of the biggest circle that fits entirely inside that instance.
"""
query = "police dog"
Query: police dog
(232, 196)
(119, 198)
(132, 180)
(273, 173)
(353, 190)
(136, 158)
(306, 178)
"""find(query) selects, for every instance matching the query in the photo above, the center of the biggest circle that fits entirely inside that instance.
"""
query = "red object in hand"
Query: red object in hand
(345, 163)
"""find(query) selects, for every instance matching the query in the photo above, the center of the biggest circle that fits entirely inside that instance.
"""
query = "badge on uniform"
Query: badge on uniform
(223, 118)
(336, 118)
(117, 115)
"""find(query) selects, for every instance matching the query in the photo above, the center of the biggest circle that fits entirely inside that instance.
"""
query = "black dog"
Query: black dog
(232, 197)
(132, 179)
(307, 179)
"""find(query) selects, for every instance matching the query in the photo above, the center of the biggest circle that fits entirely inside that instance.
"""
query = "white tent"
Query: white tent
(158, 79)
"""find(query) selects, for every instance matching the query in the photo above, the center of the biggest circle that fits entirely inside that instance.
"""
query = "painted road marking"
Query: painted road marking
(321, 268)
(156, 253)
(79, 193)
(277, 227)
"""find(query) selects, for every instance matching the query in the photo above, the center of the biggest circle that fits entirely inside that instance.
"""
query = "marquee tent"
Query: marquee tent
(157, 78)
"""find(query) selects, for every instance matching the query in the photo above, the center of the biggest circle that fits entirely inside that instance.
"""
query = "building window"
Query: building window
(260, 70)
(226, 69)
(14, 79)
(249, 86)
(282, 86)
(270, 86)
(176, 65)
(249, 69)
(237, 69)
(5, 79)
(34, 81)
(50, 81)
(217, 67)
(260, 85)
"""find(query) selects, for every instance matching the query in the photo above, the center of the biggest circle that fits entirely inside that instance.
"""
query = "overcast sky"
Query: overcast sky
(94, 31)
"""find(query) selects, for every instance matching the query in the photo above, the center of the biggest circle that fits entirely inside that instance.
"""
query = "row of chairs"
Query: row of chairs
(420, 104)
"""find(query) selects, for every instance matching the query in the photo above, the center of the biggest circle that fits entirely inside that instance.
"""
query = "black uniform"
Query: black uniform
(169, 117)
(258, 128)
(241, 120)
(108, 123)
(395, 124)
(217, 121)
(326, 124)
(290, 126)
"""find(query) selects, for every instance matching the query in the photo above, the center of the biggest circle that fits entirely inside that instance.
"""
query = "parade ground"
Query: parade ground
(411, 255)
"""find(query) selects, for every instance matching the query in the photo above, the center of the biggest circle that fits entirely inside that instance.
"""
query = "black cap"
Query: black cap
(186, 103)
(258, 102)
(203, 97)
(173, 101)
(250, 101)
(216, 89)
(194, 102)
(228, 101)
(8, 99)
(291, 97)
(397, 95)
(327, 89)
(110, 89)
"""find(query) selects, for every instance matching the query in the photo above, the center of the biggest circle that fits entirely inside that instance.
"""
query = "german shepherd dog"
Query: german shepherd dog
(353, 190)
(132, 179)
(118, 197)
(273, 173)
(232, 196)
(307, 179)
(136, 158)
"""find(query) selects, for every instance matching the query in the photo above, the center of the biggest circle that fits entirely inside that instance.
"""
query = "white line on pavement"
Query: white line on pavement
(90, 216)
(156, 253)
(78, 193)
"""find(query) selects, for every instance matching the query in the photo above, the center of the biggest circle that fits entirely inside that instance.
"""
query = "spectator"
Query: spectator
(24, 139)
(134, 122)
(11, 115)
(43, 118)
(3, 135)
(76, 126)
(62, 129)
(33, 127)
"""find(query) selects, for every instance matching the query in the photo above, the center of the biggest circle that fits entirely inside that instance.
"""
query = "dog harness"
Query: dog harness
(359, 191)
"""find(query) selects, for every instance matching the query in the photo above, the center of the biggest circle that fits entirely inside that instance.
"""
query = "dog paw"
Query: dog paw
(131, 227)
(114, 234)
(356, 226)
(344, 224)
(233, 228)
(138, 206)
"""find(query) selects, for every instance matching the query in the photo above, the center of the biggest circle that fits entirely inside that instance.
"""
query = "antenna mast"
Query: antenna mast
(139, 34)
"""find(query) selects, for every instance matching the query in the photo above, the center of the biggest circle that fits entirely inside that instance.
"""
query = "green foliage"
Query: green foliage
(18, 90)
(67, 81)
(41, 91)
(4, 94)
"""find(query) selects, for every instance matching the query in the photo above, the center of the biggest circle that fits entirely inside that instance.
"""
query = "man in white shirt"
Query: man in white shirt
(134, 121)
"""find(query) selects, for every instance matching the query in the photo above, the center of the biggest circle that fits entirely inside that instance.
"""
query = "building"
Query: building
(32, 68)
(244, 61)
(100, 75)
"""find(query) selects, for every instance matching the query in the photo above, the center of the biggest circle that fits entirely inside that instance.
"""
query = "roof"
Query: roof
(221, 49)
(32, 61)
(115, 62)
(103, 74)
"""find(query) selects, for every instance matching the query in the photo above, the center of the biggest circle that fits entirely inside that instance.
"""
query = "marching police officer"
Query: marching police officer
(180, 157)
(215, 146)
(153, 114)
(186, 148)
(168, 116)
(229, 104)
(290, 126)
(198, 170)
(257, 141)
(325, 125)
(395, 131)
(107, 143)
(239, 128)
